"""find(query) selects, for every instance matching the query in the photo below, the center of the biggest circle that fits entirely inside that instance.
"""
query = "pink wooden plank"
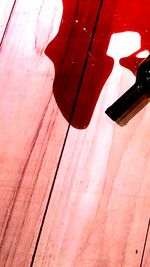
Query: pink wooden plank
(32, 130)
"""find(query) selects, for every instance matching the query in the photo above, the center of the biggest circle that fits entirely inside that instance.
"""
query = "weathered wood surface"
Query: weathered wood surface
(32, 130)
(99, 210)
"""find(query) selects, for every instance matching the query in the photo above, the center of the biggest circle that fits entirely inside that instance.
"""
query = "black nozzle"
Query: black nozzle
(133, 95)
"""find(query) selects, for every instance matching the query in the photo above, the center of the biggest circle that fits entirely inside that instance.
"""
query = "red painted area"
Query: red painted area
(69, 49)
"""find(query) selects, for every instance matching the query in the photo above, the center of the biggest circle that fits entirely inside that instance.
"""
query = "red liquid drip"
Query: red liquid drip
(69, 49)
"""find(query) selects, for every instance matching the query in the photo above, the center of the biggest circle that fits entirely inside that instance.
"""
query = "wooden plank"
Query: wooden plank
(32, 130)
(99, 209)
(6, 8)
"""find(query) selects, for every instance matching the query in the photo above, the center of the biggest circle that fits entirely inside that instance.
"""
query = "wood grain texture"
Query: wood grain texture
(100, 206)
(99, 209)
(32, 130)
(6, 8)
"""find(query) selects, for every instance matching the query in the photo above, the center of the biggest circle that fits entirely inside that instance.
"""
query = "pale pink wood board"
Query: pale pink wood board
(32, 130)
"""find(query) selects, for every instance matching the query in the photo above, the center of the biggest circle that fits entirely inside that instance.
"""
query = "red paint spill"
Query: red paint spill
(75, 34)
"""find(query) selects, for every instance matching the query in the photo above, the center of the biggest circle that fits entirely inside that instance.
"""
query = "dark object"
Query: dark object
(131, 97)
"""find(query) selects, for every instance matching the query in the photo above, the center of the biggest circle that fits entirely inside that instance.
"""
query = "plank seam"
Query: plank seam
(7, 24)
(145, 243)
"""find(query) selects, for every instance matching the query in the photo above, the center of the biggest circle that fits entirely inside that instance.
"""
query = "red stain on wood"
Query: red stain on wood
(71, 48)
(69, 51)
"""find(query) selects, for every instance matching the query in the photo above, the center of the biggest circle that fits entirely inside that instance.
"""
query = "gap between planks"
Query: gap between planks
(6, 10)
